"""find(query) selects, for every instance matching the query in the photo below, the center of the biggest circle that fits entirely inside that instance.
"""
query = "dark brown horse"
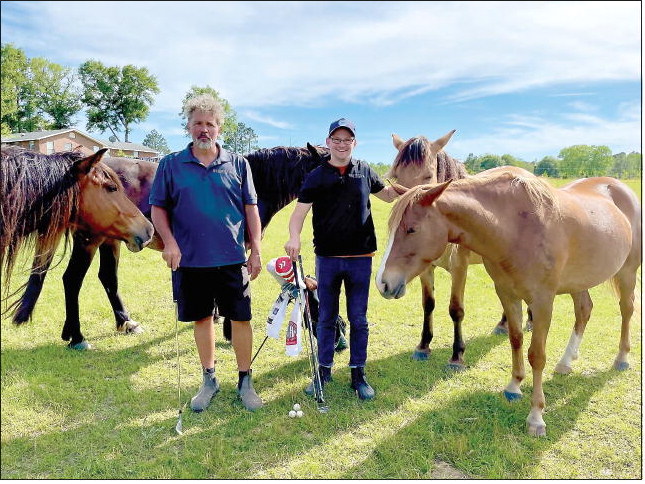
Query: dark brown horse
(45, 197)
(277, 173)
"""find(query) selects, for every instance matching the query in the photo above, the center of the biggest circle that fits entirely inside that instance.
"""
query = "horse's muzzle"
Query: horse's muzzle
(139, 241)
(392, 290)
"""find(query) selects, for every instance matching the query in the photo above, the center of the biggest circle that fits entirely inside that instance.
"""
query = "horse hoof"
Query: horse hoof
(537, 430)
(621, 365)
(420, 355)
(130, 327)
(500, 330)
(511, 397)
(562, 369)
(455, 366)
(82, 346)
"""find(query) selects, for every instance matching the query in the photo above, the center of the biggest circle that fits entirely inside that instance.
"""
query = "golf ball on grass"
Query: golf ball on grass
(292, 413)
(299, 413)
(296, 406)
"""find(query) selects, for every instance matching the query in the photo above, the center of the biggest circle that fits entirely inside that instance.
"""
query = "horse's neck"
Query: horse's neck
(472, 222)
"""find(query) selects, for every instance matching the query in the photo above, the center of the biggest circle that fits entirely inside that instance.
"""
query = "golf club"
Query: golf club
(179, 428)
(313, 346)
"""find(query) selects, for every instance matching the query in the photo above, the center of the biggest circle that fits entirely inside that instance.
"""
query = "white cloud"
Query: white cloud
(365, 52)
(255, 116)
(439, 58)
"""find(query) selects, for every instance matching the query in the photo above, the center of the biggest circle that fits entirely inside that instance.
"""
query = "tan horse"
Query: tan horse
(536, 242)
(420, 161)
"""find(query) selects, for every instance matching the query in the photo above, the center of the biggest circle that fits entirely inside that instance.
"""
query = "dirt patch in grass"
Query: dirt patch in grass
(443, 470)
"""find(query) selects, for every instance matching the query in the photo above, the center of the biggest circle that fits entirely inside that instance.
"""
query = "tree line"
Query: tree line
(577, 161)
(41, 95)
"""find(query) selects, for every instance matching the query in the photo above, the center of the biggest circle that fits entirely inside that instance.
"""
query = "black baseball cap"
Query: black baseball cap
(342, 123)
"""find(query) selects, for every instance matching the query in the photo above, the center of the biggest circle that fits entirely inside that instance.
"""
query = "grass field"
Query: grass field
(110, 413)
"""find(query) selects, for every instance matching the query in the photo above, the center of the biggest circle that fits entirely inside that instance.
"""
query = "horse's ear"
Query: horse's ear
(314, 152)
(397, 141)
(398, 188)
(84, 165)
(438, 145)
(433, 193)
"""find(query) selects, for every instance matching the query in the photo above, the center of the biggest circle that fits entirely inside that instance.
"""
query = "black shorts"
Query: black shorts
(198, 291)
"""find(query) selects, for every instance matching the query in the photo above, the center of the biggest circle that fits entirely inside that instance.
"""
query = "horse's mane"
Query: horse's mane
(39, 199)
(541, 195)
(278, 172)
(402, 203)
(416, 153)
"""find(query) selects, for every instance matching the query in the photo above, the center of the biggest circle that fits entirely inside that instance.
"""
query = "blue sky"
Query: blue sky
(523, 78)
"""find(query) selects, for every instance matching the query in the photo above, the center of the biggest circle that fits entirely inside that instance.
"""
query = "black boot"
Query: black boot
(363, 389)
(325, 376)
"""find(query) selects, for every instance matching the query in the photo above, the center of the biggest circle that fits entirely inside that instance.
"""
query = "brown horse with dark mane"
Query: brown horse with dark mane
(536, 242)
(277, 173)
(45, 197)
(420, 161)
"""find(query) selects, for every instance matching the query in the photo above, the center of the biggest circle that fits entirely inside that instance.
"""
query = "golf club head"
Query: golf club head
(323, 408)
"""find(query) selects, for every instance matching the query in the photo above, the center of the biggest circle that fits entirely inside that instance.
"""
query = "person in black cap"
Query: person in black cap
(344, 244)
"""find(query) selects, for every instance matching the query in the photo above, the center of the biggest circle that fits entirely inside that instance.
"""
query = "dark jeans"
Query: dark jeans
(356, 274)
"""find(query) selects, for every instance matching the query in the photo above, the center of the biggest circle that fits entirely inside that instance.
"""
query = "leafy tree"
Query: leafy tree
(58, 96)
(634, 165)
(472, 164)
(156, 141)
(116, 97)
(511, 160)
(584, 161)
(488, 161)
(36, 94)
(13, 75)
(230, 117)
(547, 166)
(242, 140)
(20, 110)
(627, 165)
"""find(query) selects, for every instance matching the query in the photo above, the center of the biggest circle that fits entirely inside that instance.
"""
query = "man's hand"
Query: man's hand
(172, 255)
(292, 247)
(254, 264)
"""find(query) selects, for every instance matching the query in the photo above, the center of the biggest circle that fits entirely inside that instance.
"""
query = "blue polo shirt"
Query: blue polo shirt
(342, 214)
(205, 205)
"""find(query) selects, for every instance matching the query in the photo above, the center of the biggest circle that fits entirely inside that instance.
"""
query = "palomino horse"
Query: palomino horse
(420, 161)
(277, 172)
(44, 197)
(536, 242)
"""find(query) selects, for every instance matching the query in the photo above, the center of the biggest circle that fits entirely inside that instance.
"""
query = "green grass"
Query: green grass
(110, 413)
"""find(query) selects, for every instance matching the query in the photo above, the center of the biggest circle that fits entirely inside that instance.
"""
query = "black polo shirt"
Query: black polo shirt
(342, 215)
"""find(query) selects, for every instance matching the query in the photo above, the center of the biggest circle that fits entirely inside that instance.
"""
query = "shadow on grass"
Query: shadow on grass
(123, 432)
(118, 424)
(482, 434)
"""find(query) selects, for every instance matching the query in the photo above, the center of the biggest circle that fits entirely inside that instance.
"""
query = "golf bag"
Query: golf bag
(280, 269)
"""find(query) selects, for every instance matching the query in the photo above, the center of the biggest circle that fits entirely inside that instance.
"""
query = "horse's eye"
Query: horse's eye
(410, 230)
(111, 187)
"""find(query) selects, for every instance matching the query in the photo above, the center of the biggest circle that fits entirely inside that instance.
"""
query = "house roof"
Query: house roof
(117, 145)
(38, 135)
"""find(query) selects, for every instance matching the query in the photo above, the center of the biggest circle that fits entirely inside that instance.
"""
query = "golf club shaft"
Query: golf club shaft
(313, 355)
(179, 426)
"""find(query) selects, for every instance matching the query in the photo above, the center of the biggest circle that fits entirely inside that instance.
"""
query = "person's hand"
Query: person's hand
(171, 254)
(254, 264)
(292, 247)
